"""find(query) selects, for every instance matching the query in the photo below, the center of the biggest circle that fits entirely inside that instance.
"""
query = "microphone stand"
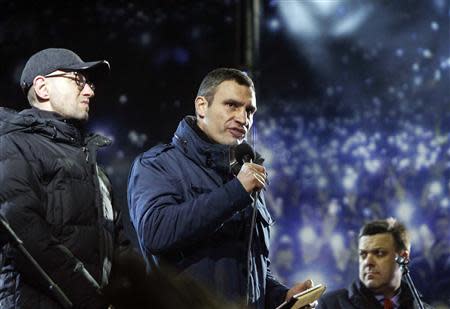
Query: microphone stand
(403, 262)
(255, 197)
(244, 153)
(52, 286)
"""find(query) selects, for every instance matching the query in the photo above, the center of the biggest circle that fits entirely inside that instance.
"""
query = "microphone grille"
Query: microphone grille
(244, 153)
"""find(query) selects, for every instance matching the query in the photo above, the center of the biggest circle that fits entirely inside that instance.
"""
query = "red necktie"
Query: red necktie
(388, 304)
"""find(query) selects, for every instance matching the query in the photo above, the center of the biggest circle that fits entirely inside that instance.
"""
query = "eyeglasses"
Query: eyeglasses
(79, 79)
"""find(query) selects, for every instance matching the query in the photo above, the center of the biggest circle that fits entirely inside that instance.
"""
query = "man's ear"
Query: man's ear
(40, 87)
(201, 106)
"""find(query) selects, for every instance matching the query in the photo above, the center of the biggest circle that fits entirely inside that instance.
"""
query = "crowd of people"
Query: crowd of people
(327, 176)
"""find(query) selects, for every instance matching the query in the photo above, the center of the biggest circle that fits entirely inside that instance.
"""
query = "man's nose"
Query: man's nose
(369, 260)
(88, 91)
(242, 117)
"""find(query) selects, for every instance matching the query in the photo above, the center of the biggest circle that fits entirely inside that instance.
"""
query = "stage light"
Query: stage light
(445, 63)
(308, 235)
(137, 139)
(437, 75)
(123, 99)
(337, 243)
(145, 38)
(299, 18)
(322, 182)
(273, 25)
(372, 166)
(351, 23)
(404, 163)
(399, 52)
(405, 211)
(350, 178)
(422, 238)
(426, 53)
(333, 207)
(435, 189)
(318, 20)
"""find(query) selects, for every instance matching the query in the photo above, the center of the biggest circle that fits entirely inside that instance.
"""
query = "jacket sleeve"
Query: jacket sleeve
(164, 221)
(22, 198)
(321, 304)
(275, 291)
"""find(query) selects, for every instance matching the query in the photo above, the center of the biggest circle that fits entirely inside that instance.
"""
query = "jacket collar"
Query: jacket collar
(362, 297)
(49, 124)
(53, 125)
(199, 149)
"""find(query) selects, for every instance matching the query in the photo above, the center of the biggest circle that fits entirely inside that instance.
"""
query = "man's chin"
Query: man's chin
(371, 284)
(231, 142)
(236, 142)
(80, 120)
(83, 117)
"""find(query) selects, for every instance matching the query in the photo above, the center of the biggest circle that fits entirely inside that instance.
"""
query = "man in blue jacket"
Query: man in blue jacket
(192, 213)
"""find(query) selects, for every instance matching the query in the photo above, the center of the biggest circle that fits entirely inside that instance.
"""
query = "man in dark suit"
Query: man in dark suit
(380, 282)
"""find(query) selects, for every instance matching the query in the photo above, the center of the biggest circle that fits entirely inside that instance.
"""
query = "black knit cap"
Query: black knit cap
(51, 59)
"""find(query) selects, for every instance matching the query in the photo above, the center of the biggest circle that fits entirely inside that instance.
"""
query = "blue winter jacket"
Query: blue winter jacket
(191, 212)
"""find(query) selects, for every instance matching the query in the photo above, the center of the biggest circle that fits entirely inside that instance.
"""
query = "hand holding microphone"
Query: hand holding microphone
(252, 176)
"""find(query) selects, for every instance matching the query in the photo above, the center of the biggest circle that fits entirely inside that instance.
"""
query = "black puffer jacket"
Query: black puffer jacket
(50, 194)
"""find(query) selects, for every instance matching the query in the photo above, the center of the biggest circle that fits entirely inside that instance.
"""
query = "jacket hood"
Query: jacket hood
(11, 120)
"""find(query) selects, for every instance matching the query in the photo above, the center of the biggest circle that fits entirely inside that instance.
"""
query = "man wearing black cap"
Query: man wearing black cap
(52, 192)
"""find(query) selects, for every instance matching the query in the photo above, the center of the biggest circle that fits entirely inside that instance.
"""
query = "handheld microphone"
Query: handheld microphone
(244, 153)
(401, 260)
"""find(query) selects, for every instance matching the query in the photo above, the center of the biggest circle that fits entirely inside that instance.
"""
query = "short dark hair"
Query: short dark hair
(210, 82)
(402, 240)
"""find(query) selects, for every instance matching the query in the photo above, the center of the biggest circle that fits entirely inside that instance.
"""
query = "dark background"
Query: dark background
(353, 99)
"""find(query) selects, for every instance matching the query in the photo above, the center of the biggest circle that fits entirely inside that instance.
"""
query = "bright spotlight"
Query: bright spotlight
(299, 18)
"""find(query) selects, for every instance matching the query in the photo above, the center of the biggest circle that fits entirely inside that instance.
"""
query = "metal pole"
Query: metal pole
(52, 286)
(248, 15)
(403, 262)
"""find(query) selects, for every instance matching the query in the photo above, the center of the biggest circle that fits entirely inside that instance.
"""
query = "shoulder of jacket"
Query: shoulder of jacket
(157, 151)
(5, 136)
(13, 142)
(335, 295)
